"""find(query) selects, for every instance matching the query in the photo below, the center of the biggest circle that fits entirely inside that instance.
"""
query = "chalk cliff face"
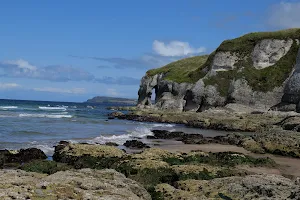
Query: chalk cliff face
(259, 70)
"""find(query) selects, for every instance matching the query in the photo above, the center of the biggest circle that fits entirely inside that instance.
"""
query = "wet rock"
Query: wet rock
(87, 155)
(114, 115)
(164, 134)
(280, 142)
(135, 144)
(72, 184)
(21, 156)
(45, 166)
(291, 123)
(179, 136)
(113, 144)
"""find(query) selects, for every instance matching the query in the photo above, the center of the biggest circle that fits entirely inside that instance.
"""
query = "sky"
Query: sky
(74, 50)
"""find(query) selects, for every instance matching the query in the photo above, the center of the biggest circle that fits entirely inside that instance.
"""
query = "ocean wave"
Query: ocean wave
(47, 149)
(8, 107)
(52, 108)
(163, 125)
(138, 132)
(44, 115)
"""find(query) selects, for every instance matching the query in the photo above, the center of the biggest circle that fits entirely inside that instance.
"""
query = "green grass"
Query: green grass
(179, 71)
(45, 166)
(229, 159)
(245, 44)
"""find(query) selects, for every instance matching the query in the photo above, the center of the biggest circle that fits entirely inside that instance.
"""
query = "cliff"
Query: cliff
(260, 70)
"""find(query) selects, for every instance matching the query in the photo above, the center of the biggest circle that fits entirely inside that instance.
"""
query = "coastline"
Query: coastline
(172, 158)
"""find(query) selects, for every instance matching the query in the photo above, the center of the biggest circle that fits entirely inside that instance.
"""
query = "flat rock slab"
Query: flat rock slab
(73, 184)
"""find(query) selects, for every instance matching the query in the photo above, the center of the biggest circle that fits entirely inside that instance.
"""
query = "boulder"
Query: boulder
(115, 115)
(136, 144)
(72, 184)
(87, 155)
(113, 144)
(20, 156)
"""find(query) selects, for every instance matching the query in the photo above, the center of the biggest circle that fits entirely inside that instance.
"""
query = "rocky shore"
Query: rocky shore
(217, 119)
(240, 165)
(86, 171)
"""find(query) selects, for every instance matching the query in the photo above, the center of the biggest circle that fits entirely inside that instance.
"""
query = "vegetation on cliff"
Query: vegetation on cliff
(192, 69)
(180, 70)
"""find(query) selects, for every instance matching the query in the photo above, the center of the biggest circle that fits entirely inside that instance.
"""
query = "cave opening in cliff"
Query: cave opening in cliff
(153, 95)
(189, 103)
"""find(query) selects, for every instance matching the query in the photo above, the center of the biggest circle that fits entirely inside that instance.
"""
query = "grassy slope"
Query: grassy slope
(260, 80)
(191, 69)
(179, 71)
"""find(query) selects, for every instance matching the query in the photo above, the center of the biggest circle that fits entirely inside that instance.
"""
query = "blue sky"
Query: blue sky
(74, 50)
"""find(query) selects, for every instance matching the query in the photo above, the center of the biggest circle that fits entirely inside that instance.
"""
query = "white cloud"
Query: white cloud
(285, 15)
(175, 48)
(23, 69)
(22, 64)
(61, 90)
(4, 86)
(112, 92)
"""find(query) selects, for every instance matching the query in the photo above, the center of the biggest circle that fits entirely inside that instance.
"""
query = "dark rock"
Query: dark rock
(179, 136)
(135, 144)
(114, 115)
(24, 155)
(151, 137)
(111, 144)
(164, 134)
(64, 142)
(194, 139)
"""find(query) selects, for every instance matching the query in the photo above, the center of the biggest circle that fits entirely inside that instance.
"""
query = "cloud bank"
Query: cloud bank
(23, 69)
(61, 90)
(5, 86)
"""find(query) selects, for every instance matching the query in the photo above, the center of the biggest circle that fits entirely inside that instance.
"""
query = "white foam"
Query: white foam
(44, 115)
(8, 107)
(48, 150)
(52, 108)
(163, 125)
(139, 132)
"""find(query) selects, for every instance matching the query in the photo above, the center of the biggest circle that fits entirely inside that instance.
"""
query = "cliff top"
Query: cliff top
(179, 71)
(246, 43)
(192, 69)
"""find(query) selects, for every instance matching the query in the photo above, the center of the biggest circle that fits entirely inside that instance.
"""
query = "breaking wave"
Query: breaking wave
(45, 115)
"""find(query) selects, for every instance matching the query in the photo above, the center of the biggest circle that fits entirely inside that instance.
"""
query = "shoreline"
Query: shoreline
(160, 162)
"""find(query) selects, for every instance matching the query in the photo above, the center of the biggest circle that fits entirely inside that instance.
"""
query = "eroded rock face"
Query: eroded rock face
(241, 93)
(267, 52)
(292, 88)
(73, 184)
(224, 61)
(203, 95)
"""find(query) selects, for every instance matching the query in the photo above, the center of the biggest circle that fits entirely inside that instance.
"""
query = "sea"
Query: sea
(42, 124)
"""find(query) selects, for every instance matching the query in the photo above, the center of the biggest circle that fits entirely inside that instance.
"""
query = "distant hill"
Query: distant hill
(101, 99)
